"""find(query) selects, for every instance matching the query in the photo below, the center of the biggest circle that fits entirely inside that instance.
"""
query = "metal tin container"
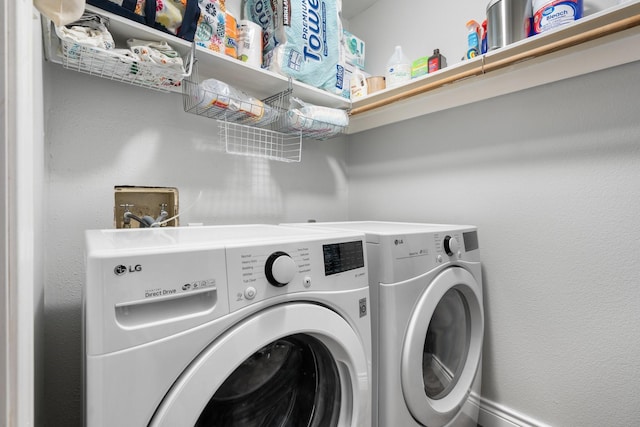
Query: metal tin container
(507, 21)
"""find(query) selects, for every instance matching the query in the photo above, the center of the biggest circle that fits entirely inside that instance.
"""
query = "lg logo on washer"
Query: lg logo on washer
(119, 270)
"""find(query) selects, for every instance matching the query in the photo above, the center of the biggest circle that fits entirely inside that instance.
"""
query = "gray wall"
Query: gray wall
(100, 134)
(551, 177)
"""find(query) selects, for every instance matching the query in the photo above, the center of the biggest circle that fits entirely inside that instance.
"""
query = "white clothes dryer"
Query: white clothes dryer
(428, 321)
(226, 326)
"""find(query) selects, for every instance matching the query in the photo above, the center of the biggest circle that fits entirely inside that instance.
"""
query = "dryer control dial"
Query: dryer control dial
(280, 269)
(451, 245)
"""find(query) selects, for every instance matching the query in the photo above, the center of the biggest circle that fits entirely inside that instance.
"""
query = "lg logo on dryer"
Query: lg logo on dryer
(119, 270)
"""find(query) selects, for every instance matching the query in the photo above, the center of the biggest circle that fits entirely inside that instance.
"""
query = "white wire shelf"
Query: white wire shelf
(114, 66)
(273, 112)
(257, 142)
(248, 111)
(293, 122)
(266, 128)
(244, 122)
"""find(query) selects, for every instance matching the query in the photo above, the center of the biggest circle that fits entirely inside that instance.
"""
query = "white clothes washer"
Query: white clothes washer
(428, 321)
(252, 325)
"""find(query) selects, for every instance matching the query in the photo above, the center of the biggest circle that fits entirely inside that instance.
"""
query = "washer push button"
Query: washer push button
(250, 293)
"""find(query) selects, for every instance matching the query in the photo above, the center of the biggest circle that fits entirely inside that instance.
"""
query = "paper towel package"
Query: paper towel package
(266, 14)
(302, 39)
(250, 43)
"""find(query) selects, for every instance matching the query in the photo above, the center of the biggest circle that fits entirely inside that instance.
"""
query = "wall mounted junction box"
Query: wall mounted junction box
(145, 201)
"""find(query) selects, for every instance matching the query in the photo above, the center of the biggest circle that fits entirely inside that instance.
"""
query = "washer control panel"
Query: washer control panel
(267, 271)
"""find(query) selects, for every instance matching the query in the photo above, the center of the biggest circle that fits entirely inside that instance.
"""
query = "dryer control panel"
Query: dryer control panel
(412, 254)
(404, 250)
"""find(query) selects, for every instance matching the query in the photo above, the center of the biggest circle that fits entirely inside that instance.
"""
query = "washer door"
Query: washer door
(290, 365)
(444, 343)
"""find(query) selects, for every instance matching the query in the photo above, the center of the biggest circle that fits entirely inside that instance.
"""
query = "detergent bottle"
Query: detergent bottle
(398, 68)
(358, 87)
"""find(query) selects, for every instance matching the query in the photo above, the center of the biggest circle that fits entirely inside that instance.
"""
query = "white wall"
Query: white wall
(22, 181)
(4, 238)
(101, 134)
(551, 178)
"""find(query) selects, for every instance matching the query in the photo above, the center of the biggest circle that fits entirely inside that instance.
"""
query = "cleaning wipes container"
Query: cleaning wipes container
(551, 14)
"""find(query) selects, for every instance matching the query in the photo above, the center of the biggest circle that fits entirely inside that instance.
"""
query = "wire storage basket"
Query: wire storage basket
(119, 67)
(245, 123)
(257, 142)
(261, 140)
(310, 121)
(271, 128)
(217, 100)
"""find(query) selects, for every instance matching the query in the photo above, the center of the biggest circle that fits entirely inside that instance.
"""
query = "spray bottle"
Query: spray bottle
(473, 39)
(484, 42)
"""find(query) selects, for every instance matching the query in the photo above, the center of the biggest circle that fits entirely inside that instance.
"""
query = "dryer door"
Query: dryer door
(290, 365)
(443, 342)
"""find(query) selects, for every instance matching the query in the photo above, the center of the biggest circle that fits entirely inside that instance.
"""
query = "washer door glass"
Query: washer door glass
(444, 342)
(291, 382)
(446, 345)
(290, 365)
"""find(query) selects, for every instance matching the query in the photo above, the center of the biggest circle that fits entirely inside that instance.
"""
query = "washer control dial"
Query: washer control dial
(451, 245)
(280, 269)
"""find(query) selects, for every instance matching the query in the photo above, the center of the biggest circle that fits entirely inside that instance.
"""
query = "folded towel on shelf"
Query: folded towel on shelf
(86, 45)
(157, 53)
(90, 30)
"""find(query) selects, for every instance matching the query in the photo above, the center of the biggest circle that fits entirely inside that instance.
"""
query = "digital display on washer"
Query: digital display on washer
(470, 240)
(339, 257)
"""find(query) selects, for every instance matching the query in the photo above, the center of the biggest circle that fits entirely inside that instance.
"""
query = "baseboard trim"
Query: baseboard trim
(492, 414)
